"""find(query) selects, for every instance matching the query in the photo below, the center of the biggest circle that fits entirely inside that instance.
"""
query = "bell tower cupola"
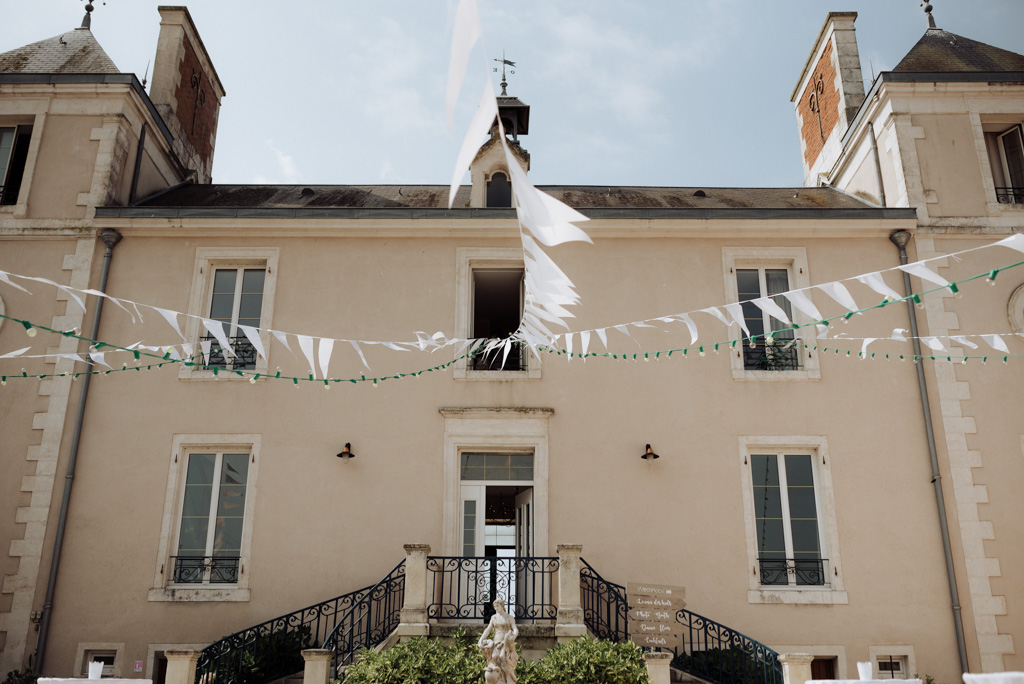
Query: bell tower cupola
(492, 185)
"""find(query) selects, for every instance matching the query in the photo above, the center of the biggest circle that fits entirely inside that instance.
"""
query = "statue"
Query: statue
(500, 650)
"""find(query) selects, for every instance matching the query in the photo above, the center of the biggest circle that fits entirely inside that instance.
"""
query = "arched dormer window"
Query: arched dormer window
(499, 190)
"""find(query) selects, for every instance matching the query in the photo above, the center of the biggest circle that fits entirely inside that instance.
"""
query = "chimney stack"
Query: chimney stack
(829, 94)
(187, 91)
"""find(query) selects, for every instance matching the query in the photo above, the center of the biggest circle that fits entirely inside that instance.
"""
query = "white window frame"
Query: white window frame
(902, 651)
(7, 162)
(794, 260)
(85, 649)
(209, 259)
(834, 592)
(182, 445)
(1017, 129)
(493, 429)
(482, 258)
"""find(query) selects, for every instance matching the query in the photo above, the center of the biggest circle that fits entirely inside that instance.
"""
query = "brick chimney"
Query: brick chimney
(187, 91)
(829, 94)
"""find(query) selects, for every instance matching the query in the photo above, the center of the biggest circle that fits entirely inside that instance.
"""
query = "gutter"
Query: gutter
(900, 238)
(110, 238)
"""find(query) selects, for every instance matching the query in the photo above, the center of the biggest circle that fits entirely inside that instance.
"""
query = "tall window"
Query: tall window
(779, 350)
(212, 519)
(14, 142)
(237, 299)
(786, 519)
(497, 310)
(499, 190)
(1011, 151)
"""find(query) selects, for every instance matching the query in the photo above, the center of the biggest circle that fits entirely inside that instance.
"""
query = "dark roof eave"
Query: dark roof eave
(865, 213)
(123, 79)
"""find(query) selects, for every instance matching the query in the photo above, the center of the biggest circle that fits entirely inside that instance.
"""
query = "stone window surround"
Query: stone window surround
(182, 444)
(817, 445)
(795, 260)
(468, 259)
(208, 259)
(493, 429)
(838, 652)
(897, 650)
(87, 646)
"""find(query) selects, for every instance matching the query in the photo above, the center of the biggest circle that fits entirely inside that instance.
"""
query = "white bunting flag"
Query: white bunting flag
(897, 334)
(205, 346)
(803, 304)
(1013, 242)
(216, 328)
(72, 295)
(486, 111)
(924, 273)
(282, 338)
(963, 340)
(839, 293)
(934, 343)
(736, 312)
(170, 316)
(467, 31)
(876, 283)
(13, 354)
(716, 313)
(355, 345)
(996, 342)
(584, 343)
(568, 344)
(326, 347)
(768, 305)
(253, 335)
(603, 336)
(306, 345)
(99, 358)
(864, 347)
(4, 277)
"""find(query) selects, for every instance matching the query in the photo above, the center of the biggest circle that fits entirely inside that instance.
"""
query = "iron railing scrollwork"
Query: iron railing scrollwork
(707, 649)
(495, 359)
(244, 358)
(1010, 195)
(272, 649)
(466, 587)
(798, 571)
(370, 619)
(781, 355)
(605, 611)
(204, 569)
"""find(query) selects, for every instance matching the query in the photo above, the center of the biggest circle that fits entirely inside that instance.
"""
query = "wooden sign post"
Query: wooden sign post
(652, 614)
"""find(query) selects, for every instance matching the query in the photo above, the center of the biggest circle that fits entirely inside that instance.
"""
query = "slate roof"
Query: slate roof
(436, 196)
(940, 51)
(79, 53)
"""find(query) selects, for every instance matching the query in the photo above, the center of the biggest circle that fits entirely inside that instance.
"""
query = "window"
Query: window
(110, 654)
(891, 667)
(105, 657)
(212, 517)
(208, 519)
(14, 142)
(489, 305)
(778, 352)
(786, 519)
(499, 190)
(1011, 153)
(792, 538)
(234, 287)
(236, 299)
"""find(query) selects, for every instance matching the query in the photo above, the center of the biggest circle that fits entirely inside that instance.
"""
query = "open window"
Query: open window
(1005, 143)
(14, 143)
(497, 311)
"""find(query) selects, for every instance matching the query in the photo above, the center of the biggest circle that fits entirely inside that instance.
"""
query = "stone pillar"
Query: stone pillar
(181, 666)
(658, 667)
(796, 667)
(569, 624)
(413, 618)
(317, 665)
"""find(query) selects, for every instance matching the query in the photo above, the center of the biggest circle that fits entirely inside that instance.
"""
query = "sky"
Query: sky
(653, 92)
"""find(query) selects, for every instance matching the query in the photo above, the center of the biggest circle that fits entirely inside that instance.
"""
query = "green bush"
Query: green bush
(424, 661)
(421, 661)
(587, 661)
(21, 677)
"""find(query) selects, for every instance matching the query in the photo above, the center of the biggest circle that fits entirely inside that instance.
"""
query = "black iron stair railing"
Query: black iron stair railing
(369, 621)
(708, 649)
(272, 649)
(466, 587)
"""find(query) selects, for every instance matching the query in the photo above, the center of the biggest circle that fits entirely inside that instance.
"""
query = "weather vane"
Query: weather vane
(504, 63)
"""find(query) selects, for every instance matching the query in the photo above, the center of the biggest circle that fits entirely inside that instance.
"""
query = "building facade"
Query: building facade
(794, 496)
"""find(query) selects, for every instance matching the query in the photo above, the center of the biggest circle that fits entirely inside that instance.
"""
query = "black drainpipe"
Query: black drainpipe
(900, 238)
(110, 238)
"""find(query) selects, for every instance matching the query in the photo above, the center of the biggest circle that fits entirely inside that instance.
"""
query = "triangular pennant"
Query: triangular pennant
(359, 351)
(803, 304)
(839, 293)
(253, 335)
(996, 342)
(768, 305)
(876, 283)
(924, 273)
(326, 347)
(216, 328)
(306, 345)
(282, 338)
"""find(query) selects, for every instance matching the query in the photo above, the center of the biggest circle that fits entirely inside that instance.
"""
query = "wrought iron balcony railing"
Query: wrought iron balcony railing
(466, 587)
(782, 355)
(204, 569)
(1010, 195)
(244, 358)
(9, 193)
(801, 572)
(492, 361)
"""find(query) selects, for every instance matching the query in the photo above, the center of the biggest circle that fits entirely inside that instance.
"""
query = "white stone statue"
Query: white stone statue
(500, 649)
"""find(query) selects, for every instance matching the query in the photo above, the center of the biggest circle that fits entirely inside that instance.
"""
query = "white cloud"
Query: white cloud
(287, 172)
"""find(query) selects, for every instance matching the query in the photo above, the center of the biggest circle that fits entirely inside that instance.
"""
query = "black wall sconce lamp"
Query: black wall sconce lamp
(346, 453)
(649, 454)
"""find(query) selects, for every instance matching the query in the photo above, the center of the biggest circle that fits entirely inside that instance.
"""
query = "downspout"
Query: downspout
(878, 165)
(110, 238)
(900, 238)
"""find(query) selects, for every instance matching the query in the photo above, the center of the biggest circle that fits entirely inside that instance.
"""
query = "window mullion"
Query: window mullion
(762, 287)
(236, 302)
(211, 530)
(787, 523)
